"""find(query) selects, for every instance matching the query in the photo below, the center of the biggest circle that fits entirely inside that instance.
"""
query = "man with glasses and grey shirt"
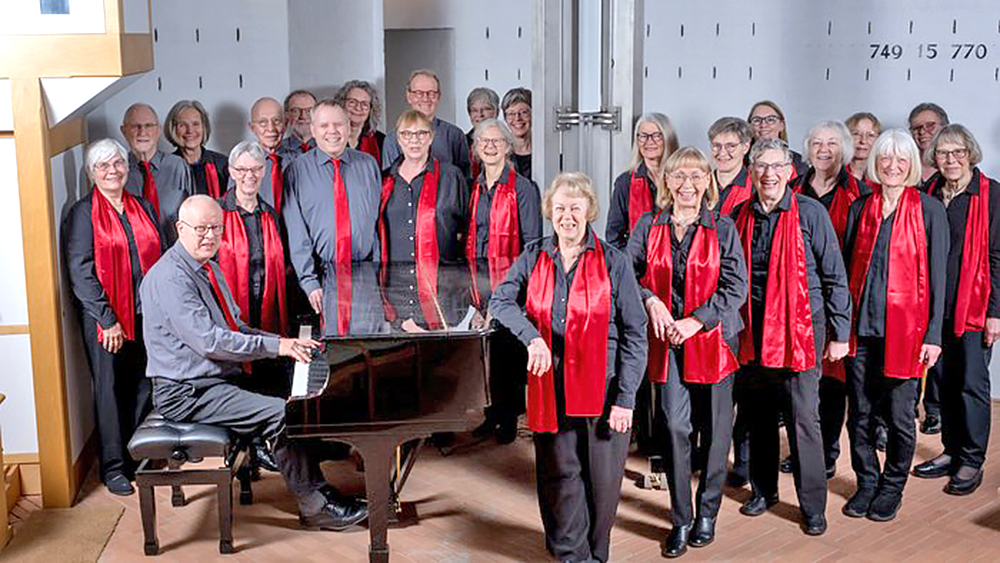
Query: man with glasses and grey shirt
(197, 347)
(423, 93)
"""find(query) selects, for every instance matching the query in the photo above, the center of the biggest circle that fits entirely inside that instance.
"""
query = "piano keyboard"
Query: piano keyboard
(310, 378)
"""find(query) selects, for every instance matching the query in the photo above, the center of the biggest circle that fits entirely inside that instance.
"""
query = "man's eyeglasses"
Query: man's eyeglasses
(202, 230)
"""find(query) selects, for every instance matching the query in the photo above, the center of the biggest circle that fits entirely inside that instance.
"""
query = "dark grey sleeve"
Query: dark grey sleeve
(529, 213)
(630, 318)
(300, 243)
(993, 307)
(391, 150)
(733, 286)
(78, 252)
(505, 303)
(832, 274)
(636, 251)
(938, 243)
(616, 231)
(460, 152)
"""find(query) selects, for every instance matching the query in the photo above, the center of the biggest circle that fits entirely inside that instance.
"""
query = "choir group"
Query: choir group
(791, 289)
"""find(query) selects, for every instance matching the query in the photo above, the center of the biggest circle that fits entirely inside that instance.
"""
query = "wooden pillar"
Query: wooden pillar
(4, 509)
(31, 140)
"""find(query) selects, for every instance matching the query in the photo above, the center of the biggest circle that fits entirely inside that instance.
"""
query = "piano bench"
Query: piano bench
(163, 447)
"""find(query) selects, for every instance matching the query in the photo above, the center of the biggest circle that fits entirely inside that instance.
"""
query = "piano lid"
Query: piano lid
(373, 301)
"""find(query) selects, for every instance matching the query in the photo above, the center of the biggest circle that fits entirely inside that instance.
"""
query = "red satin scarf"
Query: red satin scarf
(212, 180)
(737, 195)
(277, 180)
(112, 262)
(907, 298)
(588, 312)
(788, 339)
(707, 357)
(504, 230)
(974, 281)
(149, 192)
(639, 199)
(426, 253)
(369, 144)
(234, 261)
(843, 197)
(342, 252)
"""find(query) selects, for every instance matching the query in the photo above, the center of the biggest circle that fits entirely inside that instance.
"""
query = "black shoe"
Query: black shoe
(881, 438)
(757, 505)
(962, 487)
(336, 516)
(858, 505)
(506, 431)
(702, 532)
(934, 468)
(485, 429)
(676, 544)
(261, 456)
(787, 465)
(737, 477)
(814, 525)
(831, 471)
(931, 424)
(885, 506)
(118, 484)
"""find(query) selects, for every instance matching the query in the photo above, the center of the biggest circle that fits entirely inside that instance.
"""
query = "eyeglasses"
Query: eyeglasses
(421, 135)
(117, 163)
(730, 148)
(523, 114)
(429, 94)
(257, 171)
(929, 127)
(765, 120)
(295, 112)
(957, 154)
(680, 179)
(142, 126)
(275, 122)
(761, 168)
(354, 103)
(202, 230)
(644, 138)
(497, 142)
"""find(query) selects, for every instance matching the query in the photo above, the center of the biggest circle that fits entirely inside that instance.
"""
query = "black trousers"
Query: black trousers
(219, 402)
(933, 383)
(741, 425)
(870, 391)
(832, 411)
(965, 397)
(121, 395)
(508, 376)
(579, 477)
(680, 404)
(804, 434)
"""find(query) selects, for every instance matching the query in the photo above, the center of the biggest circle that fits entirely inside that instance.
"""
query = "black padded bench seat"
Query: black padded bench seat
(162, 448)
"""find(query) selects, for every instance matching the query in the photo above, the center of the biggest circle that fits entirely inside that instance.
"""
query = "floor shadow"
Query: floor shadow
(787, 511)
(989, 520)
(842, 487)
(640, 528)
(504, 537)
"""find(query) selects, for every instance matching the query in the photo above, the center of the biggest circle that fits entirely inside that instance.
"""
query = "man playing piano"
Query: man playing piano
(198, 347)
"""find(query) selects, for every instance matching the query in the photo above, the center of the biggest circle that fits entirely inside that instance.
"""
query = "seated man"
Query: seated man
(197, 347)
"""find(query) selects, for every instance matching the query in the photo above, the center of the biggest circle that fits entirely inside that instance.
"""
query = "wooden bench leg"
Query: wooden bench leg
(147, 508)
(246, 488)
(177, 496)
(224, 487)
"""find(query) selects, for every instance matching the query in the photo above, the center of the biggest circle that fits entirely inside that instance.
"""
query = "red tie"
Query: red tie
(342, 216)
(149, 187)
(304, 147)
(276, 180)
(212, 180)
(220, 298)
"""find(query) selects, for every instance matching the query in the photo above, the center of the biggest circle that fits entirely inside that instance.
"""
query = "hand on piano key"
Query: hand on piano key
(299, 349)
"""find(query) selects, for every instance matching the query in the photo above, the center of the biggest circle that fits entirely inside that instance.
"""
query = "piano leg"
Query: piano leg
(377, 452)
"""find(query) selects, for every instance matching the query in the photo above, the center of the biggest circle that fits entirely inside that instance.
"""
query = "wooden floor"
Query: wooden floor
(479, 504)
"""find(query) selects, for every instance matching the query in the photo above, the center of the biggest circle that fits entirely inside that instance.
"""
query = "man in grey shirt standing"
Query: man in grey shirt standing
(162, 179)
(313, 199)
(197, 345)
(423, 93)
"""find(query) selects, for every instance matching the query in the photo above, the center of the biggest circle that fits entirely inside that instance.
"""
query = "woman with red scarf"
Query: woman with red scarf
(110, 240)
(730, 138)
(897, 244)
(864, 128)
(505, 215)
(188, 129)
(635, 189)
(573, 302)
(971, 309)
(252, 258)
(829, 148)
(768, 122)
(690, 263)
(360, 99)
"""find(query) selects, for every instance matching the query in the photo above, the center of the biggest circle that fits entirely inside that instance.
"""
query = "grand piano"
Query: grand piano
(405, 356)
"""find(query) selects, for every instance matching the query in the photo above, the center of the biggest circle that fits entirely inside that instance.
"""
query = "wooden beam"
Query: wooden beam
(136, 53)
(31, 141)
(65, 136)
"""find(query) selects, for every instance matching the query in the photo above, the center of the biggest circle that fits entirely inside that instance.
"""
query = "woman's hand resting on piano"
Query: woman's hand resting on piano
(298, 349)
(539, 357)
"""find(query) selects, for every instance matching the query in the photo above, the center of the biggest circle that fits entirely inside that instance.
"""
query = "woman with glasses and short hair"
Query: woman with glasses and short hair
(635, 190)
(517, 113)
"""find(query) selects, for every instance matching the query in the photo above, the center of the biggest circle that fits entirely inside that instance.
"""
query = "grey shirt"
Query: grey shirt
(285, 158)
(310, 215)
(450, 146)
(293, 144)
(185, 330)
(173, 184)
